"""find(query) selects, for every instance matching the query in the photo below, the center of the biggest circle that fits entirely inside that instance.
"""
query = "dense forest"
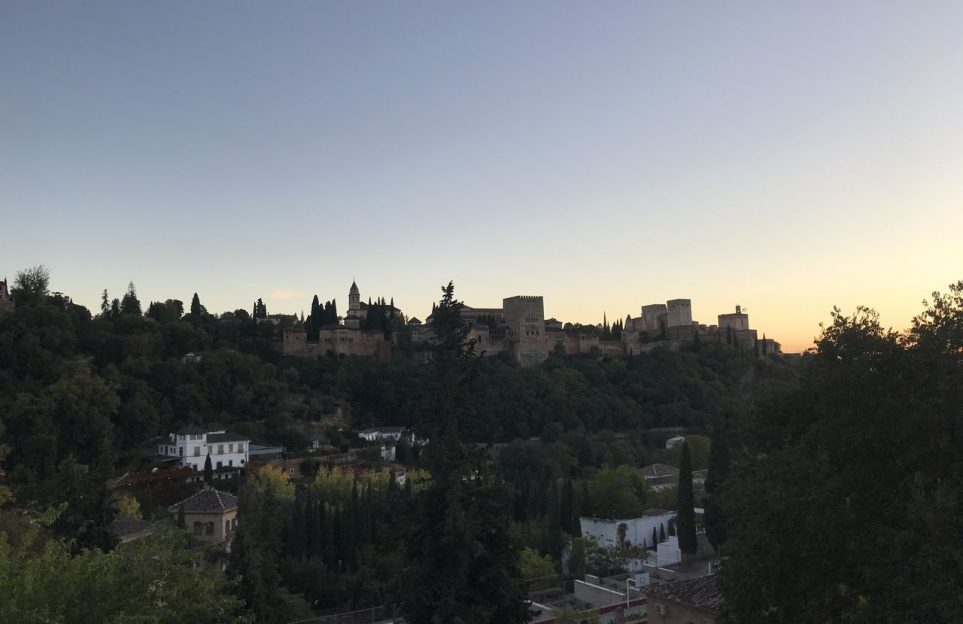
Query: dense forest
(801, 455)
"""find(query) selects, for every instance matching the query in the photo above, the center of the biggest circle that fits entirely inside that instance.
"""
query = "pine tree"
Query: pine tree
(105, 305)
(685, 524)
(130, 304)
(465, 509)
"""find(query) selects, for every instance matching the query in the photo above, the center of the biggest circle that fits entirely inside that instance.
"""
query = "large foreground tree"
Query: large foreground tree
(461, 564)
(845, 500)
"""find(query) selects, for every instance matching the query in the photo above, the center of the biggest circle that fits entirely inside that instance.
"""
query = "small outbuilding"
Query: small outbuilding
(210, 515)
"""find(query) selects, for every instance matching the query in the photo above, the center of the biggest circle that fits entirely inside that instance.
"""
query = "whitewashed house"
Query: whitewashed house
(638, 530)
(192, 444)
(384, 434)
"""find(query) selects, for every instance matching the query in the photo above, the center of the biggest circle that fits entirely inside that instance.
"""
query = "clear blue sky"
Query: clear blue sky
(784, 156)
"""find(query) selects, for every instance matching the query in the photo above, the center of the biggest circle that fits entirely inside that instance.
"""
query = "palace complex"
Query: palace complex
(519, 329)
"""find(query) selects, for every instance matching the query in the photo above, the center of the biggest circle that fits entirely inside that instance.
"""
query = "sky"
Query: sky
(787, 157)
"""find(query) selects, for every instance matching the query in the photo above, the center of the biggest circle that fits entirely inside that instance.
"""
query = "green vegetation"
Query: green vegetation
(518, 453)
(843, 503)
(150, 580)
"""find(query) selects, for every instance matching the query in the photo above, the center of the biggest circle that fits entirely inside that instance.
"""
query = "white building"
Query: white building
(385, 434)
(638, 530)
(192, 444)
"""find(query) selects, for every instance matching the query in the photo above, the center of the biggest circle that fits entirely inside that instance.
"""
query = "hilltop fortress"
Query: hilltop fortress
(519, 329)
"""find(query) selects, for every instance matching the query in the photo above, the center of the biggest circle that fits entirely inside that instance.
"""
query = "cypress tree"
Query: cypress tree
(314, 320)
(585, 455)
(661, 532)
(685, 524)
(367, 509)
(655, 538)
(196, 308)
(357, 523)
(316, 529)
(585, 505)
(715, 522)
(294, 542)
(327, 536)
(208, 471)
(340, 542)
(554, 523)
(567, 507)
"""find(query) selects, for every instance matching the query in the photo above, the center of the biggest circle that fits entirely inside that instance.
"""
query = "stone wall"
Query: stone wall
(339, 341)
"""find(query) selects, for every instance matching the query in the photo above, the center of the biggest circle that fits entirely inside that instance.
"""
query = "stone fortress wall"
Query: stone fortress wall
(519, 329)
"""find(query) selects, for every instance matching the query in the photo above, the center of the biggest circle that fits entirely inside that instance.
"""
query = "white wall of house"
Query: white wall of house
(669, 552)
(606, 532)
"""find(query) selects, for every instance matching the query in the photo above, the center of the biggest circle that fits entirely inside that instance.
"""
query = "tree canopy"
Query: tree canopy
(844, 501)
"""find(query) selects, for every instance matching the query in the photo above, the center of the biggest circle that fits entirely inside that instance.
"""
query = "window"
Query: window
(197, 451)
(198, 528)
(220, 464)
(180, 451)
(230, 462)
(240, 447)
(227, 527)
(210, 528)
(220, 449)
(230, 448)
